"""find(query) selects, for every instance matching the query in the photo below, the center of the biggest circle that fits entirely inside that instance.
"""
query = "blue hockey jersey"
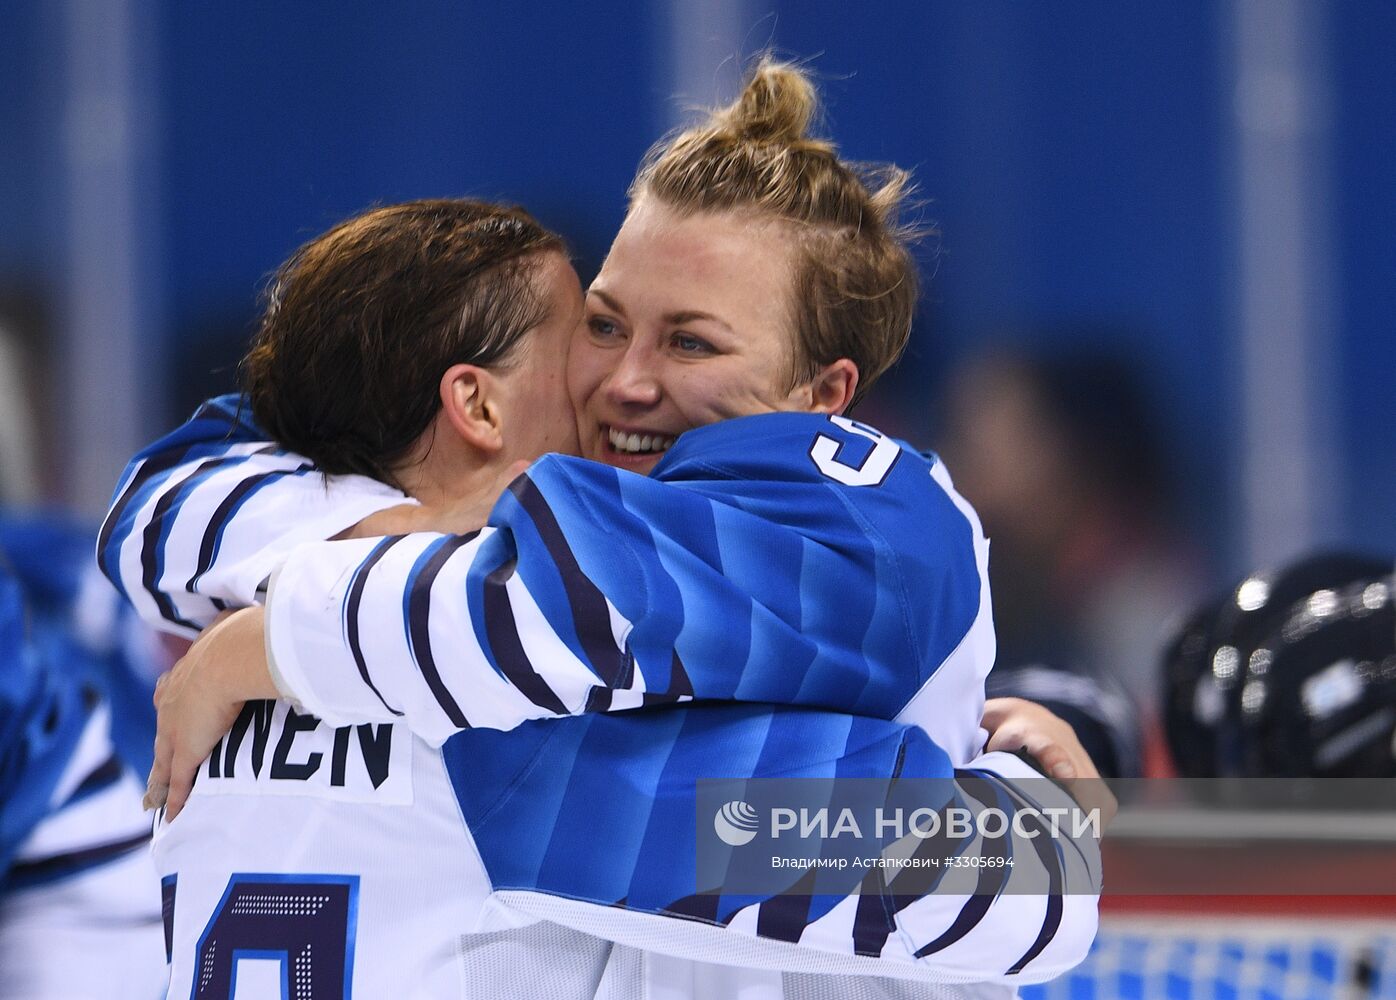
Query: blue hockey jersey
(41, 720)
(83, 627)
(809, 567)
(56, 754)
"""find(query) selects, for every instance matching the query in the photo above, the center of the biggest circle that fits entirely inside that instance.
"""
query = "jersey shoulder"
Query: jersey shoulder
(798, 448)
(815, 471)
(805, 460)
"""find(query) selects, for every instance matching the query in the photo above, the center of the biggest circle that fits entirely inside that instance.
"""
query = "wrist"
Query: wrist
(243, 675)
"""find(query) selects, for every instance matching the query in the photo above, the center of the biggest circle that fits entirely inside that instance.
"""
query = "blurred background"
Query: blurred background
(1155, 344)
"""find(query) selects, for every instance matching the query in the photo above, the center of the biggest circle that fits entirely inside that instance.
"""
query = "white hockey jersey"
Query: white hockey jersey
(387, 851)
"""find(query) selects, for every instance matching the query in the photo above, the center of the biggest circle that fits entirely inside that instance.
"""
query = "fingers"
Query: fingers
(1015, 724)
(1095, 796)
(998, 710)
(1052, 755)
(160, 771)
(1005, 738)
(1054, 759)
(158, 784)
(181, 784)
(198, 701)
(156, 794)
(159, 780)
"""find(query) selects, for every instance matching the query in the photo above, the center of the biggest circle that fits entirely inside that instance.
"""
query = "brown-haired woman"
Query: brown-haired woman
(409, 317)
(756, 273)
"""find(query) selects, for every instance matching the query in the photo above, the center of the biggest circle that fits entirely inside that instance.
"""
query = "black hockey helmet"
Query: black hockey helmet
(1319, 697)
(1205, 666)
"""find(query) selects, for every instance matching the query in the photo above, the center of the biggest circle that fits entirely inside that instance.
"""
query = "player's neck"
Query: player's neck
(450, 476)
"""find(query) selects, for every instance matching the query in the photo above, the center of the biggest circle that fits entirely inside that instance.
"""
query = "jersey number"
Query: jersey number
(875, 466)
(279, 937)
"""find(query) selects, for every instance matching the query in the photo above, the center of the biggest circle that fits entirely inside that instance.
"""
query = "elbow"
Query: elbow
(1066, 948)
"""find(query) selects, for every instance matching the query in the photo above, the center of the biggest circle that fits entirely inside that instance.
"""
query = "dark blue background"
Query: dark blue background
(1077, 158)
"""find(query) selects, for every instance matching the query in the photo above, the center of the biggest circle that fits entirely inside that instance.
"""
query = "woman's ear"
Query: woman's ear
(468, 401)
(832, 389)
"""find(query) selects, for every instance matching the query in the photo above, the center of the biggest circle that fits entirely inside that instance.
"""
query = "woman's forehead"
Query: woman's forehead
(713, 259)
(651, 218)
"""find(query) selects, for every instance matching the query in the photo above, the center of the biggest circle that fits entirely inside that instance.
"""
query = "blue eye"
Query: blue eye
(602, 327)
(686, 343)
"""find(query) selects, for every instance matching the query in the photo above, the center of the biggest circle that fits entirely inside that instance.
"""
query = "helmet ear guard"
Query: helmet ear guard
(1215, 670)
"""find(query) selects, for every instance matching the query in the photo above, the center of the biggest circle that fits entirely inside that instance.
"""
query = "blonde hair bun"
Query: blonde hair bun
(776, 106)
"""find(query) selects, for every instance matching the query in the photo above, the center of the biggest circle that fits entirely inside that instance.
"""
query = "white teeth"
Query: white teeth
(638, 443)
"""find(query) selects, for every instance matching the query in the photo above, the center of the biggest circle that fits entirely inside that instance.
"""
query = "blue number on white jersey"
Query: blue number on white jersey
(291, 935)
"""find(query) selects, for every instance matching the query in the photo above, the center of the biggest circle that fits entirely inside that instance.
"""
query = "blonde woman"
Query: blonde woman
(821, 580)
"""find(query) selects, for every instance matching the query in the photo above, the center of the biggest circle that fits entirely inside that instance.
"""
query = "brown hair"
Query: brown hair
(855, 285)
(360, 323)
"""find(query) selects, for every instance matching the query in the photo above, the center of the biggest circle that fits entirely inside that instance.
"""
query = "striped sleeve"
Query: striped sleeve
(1019, 911)
(441, 630)
(202, 517)
(573, 600)
(600, 590)
(1027, 914)
(596, 590)
(1038, 918)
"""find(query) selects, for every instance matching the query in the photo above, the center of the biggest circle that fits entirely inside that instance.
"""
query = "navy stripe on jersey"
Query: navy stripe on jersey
(1048, 853)
(167, 905)
(991, 880)
(873, 923)
(599, 700)
(913, 884)
(154, 536)
(590, 615)
(418, 609)
(168, 454)
(875, 919)
(784, 917)
(102, 776)
(157, 531)
(680, 684)
(1051, 921)
(153, 468)
(970, 915)
(352, 601)
(695, 907)
(40, 871)
(505, 645)
(223, 513)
